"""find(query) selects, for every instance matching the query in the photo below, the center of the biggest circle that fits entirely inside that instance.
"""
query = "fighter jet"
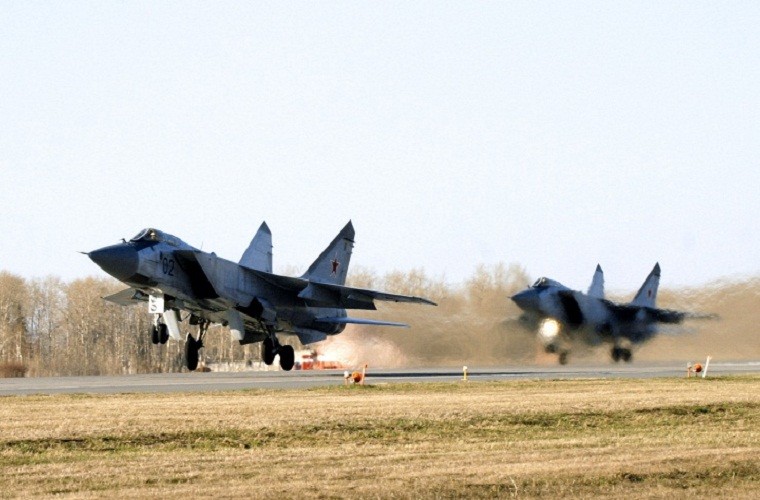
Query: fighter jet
(564, 316)
(180, 282)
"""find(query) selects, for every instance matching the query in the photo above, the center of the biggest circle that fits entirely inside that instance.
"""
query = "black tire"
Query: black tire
(191, 353)
(268, 352)
(163, 333)
(626, 355)
(616, 354)
(154, 334)
(287, 357)
(563, 358)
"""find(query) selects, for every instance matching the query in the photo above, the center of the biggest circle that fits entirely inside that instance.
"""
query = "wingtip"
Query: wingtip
(264, 227)
(656, 270)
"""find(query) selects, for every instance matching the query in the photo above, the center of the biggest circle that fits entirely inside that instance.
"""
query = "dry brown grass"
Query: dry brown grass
(633, 438)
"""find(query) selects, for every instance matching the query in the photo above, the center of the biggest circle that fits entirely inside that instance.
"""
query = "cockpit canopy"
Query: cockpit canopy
(148, 234)
(151, 235)
(544, 282)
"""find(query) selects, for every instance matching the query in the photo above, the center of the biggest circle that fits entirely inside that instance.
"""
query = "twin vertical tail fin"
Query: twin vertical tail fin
(647, 294)
(596, 289)
(258, 256)
(332, 264)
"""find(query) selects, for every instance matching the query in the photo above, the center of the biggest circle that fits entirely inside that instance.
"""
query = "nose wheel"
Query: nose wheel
(621, 354)
(159, 333)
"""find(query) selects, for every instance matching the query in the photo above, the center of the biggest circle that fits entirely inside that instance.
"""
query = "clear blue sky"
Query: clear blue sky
(557, 135)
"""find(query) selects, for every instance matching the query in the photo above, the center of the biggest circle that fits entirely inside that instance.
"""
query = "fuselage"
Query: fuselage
(206, 285)
(573, 310)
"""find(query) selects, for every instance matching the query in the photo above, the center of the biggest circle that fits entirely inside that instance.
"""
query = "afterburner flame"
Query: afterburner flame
(548, 330)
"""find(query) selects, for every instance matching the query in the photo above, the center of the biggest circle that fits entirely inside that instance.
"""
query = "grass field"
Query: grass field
(579, 438)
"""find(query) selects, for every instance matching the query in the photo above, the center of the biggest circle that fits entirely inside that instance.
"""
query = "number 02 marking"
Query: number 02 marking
(167, 265)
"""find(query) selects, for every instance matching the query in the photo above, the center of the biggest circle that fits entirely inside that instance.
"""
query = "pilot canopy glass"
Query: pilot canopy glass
(151, 235)
(544, 282)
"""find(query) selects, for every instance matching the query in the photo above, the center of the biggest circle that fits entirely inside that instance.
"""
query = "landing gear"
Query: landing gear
(272, 347)
(287, 357)
(269, 350)
(626, 355)
(163, 333)
(192, 346)
(159, 333)
(621, 353)
(191, 352)
(554, 348)
(563, 357)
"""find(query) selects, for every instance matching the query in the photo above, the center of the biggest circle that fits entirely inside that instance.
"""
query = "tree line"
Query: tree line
(50, 327)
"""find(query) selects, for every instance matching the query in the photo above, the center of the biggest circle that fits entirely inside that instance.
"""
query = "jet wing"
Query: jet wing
(359, 321)
(629, 313)
(351, 293)
(319, 294)
(284, 282)
(127, 297)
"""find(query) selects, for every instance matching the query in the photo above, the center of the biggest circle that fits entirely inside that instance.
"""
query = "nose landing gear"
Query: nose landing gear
(621, 353)
(159, 332)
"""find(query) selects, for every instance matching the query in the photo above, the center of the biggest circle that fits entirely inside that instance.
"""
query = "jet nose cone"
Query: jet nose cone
(120, 261)
(526, 300)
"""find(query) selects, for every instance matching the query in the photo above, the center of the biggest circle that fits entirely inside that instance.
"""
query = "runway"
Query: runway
(221, 381)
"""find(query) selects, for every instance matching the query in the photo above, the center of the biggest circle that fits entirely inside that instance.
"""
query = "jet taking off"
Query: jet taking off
(564, 315)
(256, 304)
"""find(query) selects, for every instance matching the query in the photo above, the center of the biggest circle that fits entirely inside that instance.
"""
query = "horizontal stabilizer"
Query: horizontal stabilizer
(359, 321)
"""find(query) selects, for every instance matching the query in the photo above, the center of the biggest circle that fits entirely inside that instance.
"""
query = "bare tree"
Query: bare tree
(14, 346)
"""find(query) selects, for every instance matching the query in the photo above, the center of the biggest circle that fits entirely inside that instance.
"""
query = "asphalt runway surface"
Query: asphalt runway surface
(224, 381)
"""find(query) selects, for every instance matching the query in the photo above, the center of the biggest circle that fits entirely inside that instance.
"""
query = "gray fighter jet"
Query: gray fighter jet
(563, 316)
(176, 279)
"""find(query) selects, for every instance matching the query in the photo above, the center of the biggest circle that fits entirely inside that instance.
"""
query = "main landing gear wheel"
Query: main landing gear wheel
(191, 352)
(269, 351)
(287, 357)
(192, 346)
(154, 335)
(272, 347)
(163, 333)
(563, 357)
